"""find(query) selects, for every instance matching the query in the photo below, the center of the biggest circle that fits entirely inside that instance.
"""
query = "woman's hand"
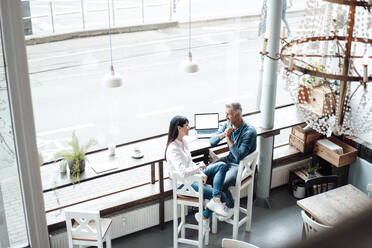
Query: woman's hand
(202, 166)
(205, 177)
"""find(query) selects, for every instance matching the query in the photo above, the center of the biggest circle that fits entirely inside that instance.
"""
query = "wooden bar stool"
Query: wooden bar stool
(185, 195)
(244, 180)
(82, 229)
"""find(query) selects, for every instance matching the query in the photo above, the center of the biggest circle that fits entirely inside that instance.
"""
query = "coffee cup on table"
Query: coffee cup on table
(137, 152)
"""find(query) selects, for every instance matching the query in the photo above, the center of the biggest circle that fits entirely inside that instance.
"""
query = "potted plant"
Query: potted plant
(75, 157)
(311, 170)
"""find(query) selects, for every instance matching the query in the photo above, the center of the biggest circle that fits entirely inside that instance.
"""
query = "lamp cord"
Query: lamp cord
(109, 22)
(190, 30)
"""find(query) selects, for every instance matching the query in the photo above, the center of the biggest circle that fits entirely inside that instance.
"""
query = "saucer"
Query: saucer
(137, 156)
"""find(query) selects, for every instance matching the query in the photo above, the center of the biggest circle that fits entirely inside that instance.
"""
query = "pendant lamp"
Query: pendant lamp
(111, 80)
(189, 66)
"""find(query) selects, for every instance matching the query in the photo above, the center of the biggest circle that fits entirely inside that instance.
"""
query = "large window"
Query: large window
(66, 76)
(13, 230)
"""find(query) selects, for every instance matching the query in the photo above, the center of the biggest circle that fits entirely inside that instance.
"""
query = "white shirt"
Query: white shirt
(179, 159)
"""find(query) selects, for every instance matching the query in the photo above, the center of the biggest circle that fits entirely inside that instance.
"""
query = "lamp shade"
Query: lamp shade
(112, 81)
(189, 66)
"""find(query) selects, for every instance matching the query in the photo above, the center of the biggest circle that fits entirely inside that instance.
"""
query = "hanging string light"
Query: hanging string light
(189, 66)
(324, 66)
(111, 80)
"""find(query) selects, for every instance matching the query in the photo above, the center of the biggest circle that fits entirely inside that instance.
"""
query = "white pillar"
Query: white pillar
(268, 99)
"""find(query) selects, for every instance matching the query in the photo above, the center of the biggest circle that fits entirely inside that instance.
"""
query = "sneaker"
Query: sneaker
(205, 222)
(230, 213)
(216, 207)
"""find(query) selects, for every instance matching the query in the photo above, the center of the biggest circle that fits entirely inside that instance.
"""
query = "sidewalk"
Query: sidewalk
(12, 207)
(155, 15)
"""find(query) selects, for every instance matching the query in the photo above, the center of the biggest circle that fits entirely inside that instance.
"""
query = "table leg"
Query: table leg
(206, 156)
(161, 192)
(152, 173)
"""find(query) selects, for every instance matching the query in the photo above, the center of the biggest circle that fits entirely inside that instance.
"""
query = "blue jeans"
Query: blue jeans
(208, 194)
(216, 176)
(229, 179)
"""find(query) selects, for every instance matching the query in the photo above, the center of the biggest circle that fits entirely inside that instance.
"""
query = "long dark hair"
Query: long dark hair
(173, 130)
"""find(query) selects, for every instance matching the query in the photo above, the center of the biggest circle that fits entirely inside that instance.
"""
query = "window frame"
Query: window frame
(19, 91)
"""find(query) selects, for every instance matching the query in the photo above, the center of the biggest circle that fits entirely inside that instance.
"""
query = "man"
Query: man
(241, 139)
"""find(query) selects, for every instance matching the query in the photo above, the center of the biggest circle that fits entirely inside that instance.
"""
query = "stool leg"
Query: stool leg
(236, 217)
(183, 221)
(249, 207)
(175, 224)
(214, 223)
(200, 232)
(108, 239)
(200, 227)
(206, 238)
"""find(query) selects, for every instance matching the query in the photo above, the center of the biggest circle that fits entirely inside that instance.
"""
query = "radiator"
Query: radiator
(280, 174)
(123, 223)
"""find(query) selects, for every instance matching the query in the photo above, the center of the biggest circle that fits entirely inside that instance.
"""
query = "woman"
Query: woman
(179, 160)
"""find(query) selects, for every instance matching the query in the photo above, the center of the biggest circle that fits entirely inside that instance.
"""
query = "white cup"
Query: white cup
(137, 152)
(111, 149)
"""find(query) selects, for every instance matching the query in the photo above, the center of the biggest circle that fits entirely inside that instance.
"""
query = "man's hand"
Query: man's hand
(229, 130)
(205, 177)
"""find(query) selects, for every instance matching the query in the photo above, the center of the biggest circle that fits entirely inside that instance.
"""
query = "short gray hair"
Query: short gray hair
(235, 106)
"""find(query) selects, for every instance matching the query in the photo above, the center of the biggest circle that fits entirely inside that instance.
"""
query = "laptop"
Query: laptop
(206, 124)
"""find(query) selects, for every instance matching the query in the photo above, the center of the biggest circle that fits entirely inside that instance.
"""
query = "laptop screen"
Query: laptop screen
(206, 121)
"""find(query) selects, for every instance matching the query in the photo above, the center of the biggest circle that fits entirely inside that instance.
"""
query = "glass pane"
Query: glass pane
(66, 76)
(13, 230)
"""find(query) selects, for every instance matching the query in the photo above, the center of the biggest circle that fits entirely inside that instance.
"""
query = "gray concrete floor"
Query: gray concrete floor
(275, 227)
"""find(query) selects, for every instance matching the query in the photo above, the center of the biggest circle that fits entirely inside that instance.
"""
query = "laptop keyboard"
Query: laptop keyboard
(206, 131)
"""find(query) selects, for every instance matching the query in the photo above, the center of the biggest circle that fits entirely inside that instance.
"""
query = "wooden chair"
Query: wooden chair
(82, 229)
(320, 184)
(244, 179)
(184, 195)
(369, 189)
(312, 227)
(232, 243)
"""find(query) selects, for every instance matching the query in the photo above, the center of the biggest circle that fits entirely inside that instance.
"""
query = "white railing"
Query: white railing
(80, 15)
(83, 11)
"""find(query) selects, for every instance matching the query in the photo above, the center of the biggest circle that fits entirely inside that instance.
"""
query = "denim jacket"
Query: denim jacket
(244, 139)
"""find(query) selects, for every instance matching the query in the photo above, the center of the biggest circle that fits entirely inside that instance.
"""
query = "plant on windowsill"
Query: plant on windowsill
(75, 157)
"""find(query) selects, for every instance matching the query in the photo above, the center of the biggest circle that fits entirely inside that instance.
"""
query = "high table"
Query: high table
(334, 206)
(54, 183)
(153, 150)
